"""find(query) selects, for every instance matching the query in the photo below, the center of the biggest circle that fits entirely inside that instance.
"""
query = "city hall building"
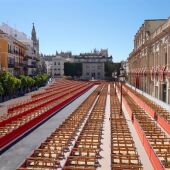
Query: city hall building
(149, 62)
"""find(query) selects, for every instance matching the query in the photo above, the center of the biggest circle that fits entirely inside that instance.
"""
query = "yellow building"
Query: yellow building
(3, 52)
(149, 62)
(12, 53)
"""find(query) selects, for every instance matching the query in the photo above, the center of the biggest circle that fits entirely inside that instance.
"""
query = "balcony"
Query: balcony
(28, 57)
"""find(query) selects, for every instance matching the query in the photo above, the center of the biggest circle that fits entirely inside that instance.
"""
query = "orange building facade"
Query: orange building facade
(12, 53)
(149, 62)
(3, 52)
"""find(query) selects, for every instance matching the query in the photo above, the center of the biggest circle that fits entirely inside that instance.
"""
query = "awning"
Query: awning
(161, 72)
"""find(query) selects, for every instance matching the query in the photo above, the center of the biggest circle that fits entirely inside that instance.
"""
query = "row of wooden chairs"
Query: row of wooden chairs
(55, 85)
(158, 109)
(58, 86)
(46, 99)
(158, 140)
(19, 102)
(59, 142)
(32, 115)
(66, 82)
(123, 150)
(37, 105)
(86, 151)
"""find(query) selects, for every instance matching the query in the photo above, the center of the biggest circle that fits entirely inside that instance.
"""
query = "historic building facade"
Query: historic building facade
(19, 54)
(12, 54)
(93, 64)
(149, 62)
(58, 66)
(3, 52)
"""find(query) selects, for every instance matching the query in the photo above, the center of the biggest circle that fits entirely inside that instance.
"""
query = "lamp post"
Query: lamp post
(121, 79)
(114, 75)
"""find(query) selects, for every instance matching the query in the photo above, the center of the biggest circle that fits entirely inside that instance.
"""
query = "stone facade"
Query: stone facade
(93, 64)
(20, 52)
(93, 71)
(149, 62)
(58, 66)
(12, 54)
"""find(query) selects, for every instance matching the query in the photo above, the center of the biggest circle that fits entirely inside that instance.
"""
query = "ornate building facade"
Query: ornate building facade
(149, 62)
(18, 53)
(93, 64)
(12, 53)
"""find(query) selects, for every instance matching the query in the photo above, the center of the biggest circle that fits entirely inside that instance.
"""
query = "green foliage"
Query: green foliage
(111, 67)
(9, 84)
(23, 79)
(30, 81)
(40, 79)
(72, 69)
(1, 89)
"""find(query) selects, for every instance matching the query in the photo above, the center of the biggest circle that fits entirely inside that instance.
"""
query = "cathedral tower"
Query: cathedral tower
(35, 40)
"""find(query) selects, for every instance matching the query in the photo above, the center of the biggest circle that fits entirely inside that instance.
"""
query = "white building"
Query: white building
(93, 64)
(58, 66)
(49, 67)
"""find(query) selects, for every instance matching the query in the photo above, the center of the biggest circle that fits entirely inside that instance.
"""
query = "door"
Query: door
(164, 92)
(93, 75)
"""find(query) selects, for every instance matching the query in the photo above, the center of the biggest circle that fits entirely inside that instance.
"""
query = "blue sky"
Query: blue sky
(81, 25)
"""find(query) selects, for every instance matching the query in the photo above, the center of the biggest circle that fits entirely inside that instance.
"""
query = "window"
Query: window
(166, 58)
(87, 74)
(59, 63)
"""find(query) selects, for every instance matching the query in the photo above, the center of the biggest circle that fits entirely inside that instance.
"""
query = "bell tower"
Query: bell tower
(35, 40)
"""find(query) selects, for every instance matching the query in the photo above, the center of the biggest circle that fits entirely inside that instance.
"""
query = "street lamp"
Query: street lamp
(121, 79)
(114, 76)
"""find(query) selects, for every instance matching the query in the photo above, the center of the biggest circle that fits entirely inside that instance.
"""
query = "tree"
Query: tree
(41, 79)
(30, 81)
(11, 86)
(8, 82)
(72, 69)
(24, 86)
(111, 67)
(1, 91)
